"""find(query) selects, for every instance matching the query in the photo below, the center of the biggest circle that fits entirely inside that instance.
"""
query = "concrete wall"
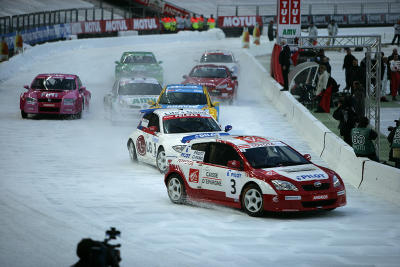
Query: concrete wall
(362, 173)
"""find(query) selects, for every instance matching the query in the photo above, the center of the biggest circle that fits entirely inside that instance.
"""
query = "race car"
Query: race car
(55, 93)
(221, 57)
(187, 96)
(129, 96)
(220, 82)
(252, 173)
(160, 133)
(139, 64)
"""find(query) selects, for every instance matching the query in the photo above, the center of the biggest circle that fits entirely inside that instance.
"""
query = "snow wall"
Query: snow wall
(362, 173)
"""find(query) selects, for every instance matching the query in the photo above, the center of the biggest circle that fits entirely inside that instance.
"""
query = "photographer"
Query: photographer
(361, 138)
(394, 140)
(346, 116)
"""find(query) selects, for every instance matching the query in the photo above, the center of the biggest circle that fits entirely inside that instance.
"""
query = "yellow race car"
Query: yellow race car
(186, 96)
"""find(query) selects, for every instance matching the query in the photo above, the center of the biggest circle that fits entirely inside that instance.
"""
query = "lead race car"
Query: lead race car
(129, 96)
(252, 173)
(158, 138)
(55, 93)
(187, 96)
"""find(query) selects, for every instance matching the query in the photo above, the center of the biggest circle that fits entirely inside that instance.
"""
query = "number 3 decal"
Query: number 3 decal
(233, 185)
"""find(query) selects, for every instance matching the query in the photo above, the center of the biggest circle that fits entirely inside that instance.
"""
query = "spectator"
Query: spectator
(362, 137)
(195, 22)
(346, 116)
(4, 50)
(384, 78)
(201, 23)
(395, 76)
(19, 44)
(313, 34)
(359, 100)
(211, 22)
(188, 23)
(396, 33)
(332, 31)
(284, 61)
(321, 87)
(180, 23)
(271, 33)
(356, 74)
(325, 62)
(394, 140)
(347, 65)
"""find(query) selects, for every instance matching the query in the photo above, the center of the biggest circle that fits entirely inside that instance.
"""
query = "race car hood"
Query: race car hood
(206, 81)
(138, 101)
(298, 173)
(51, 94)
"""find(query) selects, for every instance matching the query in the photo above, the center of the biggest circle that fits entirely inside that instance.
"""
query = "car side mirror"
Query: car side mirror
(26, 87)
(83, 88)
(228, 128)
(160, 62)
(184, 76)
(215, 104)
(117, 62)
(234, 78)
(153, 128)
(307, 156)
(151, 103)
(234, 164)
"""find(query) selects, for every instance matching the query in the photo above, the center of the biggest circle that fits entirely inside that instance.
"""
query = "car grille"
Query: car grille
(319, 203)
(50, 100)
(311, 187)
(48, 109)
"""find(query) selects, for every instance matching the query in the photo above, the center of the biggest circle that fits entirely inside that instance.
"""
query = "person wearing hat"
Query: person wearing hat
(361, 140)
(394, 140)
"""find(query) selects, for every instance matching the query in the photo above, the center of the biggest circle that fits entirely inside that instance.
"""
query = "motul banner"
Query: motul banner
(289, 18)
(239, 21)
(173, 10)
(102, 26)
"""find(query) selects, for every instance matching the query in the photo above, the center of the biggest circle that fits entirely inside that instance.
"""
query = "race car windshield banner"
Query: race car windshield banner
(289, 19)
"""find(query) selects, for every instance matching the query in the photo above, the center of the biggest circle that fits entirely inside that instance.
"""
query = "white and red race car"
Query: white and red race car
(252, 173)
(159, 136)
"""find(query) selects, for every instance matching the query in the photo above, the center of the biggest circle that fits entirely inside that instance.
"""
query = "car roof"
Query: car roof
(138, 53)
(58, 75)
(139, 80)
(218, 51)
(184, 88)
(162, 112)
(241, 141)
(211, 66)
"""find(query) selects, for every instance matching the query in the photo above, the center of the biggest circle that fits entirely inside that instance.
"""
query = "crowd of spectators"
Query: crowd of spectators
(172, 24)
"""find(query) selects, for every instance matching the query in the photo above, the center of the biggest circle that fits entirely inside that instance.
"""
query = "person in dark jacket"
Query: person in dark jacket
(347, 64)
(284, 61)
(271, 31)
(346, 116)
(356, 74)
(394, 140)
(362, 137)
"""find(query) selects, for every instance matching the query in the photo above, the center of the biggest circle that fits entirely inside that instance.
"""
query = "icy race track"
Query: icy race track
(63, 180)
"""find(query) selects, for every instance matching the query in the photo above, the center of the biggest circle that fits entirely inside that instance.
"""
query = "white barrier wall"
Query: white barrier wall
(362, 173)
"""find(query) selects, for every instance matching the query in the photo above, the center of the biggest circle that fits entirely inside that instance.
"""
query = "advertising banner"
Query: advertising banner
(172, 10)
(356, 19)
(102, 26)
(376, 19)
(239, 21)
(289, 18)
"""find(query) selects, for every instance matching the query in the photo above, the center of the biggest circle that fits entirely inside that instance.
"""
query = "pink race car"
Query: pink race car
(219, 80)
(61, 94)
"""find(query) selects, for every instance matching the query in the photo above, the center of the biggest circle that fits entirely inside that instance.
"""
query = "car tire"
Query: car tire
(253, 201)
(132, 151)
(161, 161)
(176, 189)
(24, 115)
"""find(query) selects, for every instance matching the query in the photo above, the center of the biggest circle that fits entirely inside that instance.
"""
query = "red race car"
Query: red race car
(61, 94)
(220, 82)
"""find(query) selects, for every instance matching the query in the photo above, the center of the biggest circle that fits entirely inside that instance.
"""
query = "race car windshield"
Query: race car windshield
(51, 83)
(189, 125)
(139, 89)
(273, 156)
(206, 72)
(140, 59)
(178, 98)
(215, 58)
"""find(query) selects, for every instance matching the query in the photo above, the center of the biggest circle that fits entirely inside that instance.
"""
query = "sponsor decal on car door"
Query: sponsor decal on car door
(212, 182)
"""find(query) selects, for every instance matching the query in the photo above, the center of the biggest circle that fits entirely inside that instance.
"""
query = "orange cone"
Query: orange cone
(256, 35)
(245, 38)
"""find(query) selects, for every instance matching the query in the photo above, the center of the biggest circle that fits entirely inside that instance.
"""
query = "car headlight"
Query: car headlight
(336, 181)
(31, 100)
(178, 148)
(222, 86)
(284, 185)
(69, 101)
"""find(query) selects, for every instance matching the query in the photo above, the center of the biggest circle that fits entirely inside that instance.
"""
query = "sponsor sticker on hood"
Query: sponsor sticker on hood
(301, 173)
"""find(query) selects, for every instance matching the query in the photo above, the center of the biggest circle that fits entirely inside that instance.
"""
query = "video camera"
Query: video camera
(93, 253)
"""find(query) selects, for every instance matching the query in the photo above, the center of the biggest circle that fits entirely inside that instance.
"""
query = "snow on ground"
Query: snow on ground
(63, 180)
